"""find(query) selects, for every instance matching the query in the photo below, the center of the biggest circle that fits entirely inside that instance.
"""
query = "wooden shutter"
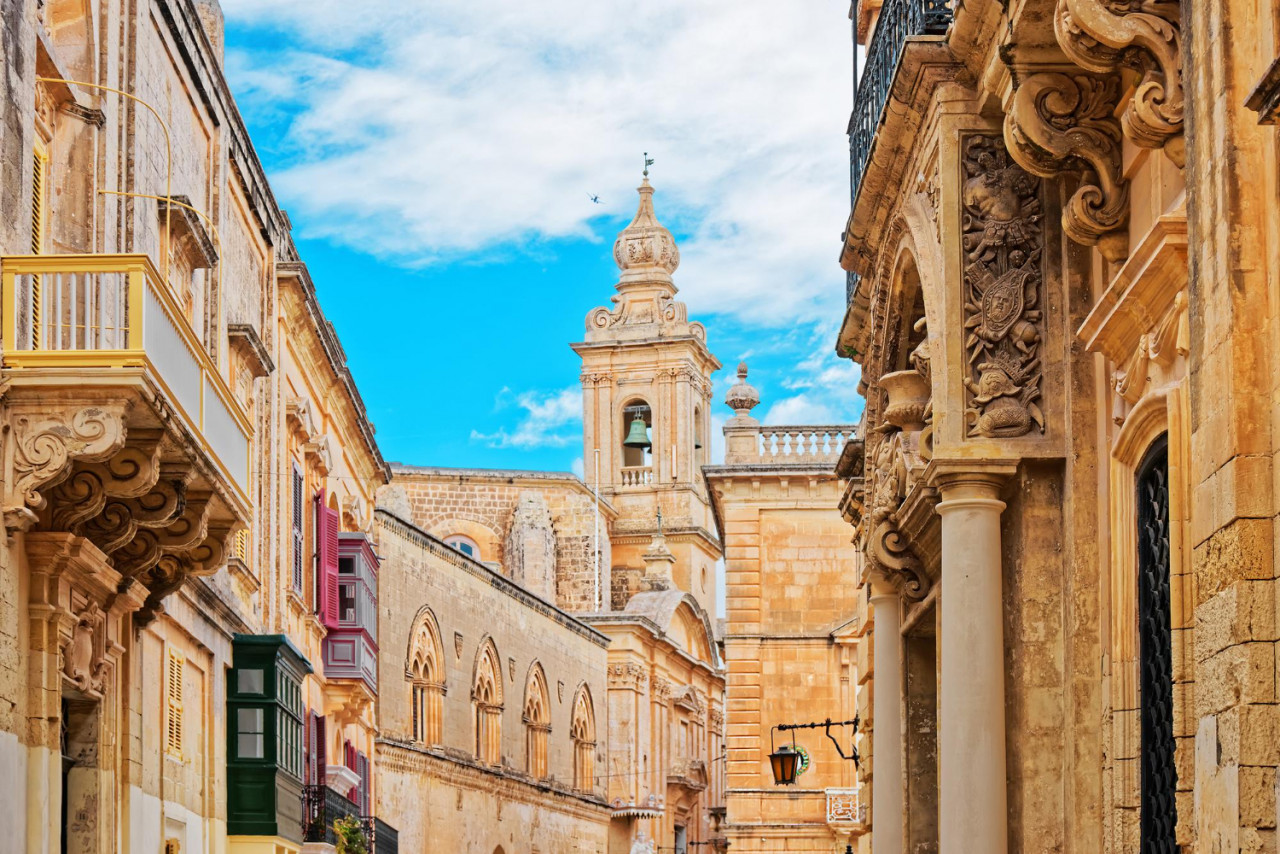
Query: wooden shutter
(327, 524)
(362, 763)
(39, 193)
(298, 542)
(322, 748)
(173, 703)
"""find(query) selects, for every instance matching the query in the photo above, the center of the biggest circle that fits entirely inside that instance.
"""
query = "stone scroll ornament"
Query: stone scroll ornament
(1003, 245)
(1145, 35)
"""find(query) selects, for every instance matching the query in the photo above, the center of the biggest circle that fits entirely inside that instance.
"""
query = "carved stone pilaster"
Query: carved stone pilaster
(1059, 122)
(1105, 35)
(1003, 248)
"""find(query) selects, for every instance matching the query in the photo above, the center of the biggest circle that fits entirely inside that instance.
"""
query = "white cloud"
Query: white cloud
(578, 467)
(428, 131)
(544, 422)
(803, 408)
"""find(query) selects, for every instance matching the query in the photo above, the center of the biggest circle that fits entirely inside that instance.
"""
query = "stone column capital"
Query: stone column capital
(965, 481)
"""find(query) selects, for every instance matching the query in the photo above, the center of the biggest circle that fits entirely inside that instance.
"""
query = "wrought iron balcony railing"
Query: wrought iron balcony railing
(67, 316)
(322, 806)
(899, 19)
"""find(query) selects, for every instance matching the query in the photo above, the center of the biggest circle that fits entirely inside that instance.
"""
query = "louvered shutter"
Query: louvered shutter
(322, 748)
(362, 762)
(173, 727)
(298, 542)
(327, 523)
(309, 749)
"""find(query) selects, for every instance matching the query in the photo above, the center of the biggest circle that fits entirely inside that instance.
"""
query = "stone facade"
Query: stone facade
(1062, 257)
(447, 796)
(166, 366)
(482, 505)
(792, 631)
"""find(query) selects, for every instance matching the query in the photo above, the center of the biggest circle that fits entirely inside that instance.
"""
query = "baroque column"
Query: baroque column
(973, 811)
(886, 745)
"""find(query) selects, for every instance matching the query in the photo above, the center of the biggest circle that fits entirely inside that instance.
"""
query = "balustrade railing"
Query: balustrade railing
(322, 806)
(637, 475)
(804, 444)
(899, 19)
(115, 311)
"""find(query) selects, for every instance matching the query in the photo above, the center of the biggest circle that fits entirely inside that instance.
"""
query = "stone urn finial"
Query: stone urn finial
(742, 397)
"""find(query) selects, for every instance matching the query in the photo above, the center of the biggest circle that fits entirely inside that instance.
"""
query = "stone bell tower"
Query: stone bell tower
(646, 393)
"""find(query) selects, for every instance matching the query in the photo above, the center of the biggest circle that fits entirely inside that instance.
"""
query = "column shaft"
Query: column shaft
(973, 814)
(886, 736)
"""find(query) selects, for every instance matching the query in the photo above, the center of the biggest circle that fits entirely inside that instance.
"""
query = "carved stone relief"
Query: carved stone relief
(83, 655)
(887, 551)
(1059, 122)
(1003, 245)
(1105, 35)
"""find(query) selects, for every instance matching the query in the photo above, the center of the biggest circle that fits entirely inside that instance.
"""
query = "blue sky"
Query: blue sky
(436, 160)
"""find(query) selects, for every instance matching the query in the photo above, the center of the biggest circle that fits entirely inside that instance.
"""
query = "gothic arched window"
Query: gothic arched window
(486, 698)
(582, 732)
(1159, 780)
(425, 671)
(537, 722)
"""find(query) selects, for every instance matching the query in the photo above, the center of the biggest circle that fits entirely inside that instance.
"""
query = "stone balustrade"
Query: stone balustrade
(786, 445)
(637, 476)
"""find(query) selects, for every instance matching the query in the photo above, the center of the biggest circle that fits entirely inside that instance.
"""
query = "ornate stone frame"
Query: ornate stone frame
(1164, 411)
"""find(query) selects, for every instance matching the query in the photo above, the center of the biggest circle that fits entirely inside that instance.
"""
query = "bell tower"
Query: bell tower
(646, 393)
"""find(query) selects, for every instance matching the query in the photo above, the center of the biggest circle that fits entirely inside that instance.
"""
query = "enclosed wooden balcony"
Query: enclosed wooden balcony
(125, 432)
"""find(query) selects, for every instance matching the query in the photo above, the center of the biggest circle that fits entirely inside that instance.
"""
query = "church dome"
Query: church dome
(645, 249)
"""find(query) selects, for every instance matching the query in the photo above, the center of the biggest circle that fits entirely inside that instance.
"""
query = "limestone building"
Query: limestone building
(632, 565)
(1062, 293)
(190, 597)
(792, 633)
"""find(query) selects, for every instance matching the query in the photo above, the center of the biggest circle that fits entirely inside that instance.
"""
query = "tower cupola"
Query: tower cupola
(645, 251)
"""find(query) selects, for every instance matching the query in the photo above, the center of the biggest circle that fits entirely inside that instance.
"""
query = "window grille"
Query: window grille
(1159, 811)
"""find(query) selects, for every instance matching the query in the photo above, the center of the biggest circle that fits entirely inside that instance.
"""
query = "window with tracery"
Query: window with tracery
(582, 732)
(426, 675)
(486, 698)
(537, 723)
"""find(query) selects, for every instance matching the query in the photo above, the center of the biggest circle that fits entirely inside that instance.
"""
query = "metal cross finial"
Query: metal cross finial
(648, 161)
(660, 522)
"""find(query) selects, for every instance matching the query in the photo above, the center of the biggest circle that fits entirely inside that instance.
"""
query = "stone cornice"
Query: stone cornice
(457, 769)
(504, 476)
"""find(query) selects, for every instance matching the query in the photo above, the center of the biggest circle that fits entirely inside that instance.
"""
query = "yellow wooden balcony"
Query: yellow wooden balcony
(106, 320)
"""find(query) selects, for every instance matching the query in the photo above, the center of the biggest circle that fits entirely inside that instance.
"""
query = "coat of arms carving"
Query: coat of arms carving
(1003, 247)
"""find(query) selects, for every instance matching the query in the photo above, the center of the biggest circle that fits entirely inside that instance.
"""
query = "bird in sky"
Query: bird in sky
(595, 200)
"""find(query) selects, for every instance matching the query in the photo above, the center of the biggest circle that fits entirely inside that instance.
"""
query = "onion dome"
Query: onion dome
(645, 250)
(742, 397)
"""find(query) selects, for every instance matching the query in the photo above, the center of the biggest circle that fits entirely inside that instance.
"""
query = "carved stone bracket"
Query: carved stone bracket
(45, 442)
(887, 551)
(1003, 246)
(1105, 35)
(1059, 122)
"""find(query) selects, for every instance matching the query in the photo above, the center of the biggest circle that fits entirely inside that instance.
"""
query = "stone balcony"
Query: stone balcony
(123, 430)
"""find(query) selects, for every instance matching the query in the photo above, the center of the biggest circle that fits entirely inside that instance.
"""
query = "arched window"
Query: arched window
(486, 697)
(464, 544)
(637, 443)
(582, 732)
(537, 722)
(425, 671)
(1158, 818)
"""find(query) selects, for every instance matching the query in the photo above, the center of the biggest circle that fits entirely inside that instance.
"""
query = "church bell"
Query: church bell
(637, 436)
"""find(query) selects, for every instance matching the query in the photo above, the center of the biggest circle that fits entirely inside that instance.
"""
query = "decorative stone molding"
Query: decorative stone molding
(1106, 35)
(887, 551)
(46, 440)
(1059, 122)
(298, 418)
(83, 656)
(629, 675)
(662, 690)
(1003, 247)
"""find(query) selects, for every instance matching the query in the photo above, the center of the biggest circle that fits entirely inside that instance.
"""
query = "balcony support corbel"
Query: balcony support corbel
(1060, 122)
(1104, 36)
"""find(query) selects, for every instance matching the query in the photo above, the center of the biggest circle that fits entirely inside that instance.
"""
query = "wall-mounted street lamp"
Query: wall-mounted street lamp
(785, 760)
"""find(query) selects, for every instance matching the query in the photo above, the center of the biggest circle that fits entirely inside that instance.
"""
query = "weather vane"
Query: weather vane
(648, 161)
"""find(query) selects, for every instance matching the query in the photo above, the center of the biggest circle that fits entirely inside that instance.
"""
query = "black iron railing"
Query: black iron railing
(322, 806)
(898, 20)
